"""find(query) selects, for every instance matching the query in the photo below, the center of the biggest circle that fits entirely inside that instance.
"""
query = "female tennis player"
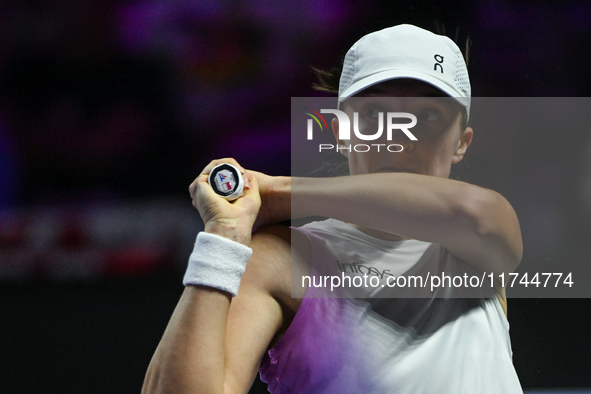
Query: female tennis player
(256, 303)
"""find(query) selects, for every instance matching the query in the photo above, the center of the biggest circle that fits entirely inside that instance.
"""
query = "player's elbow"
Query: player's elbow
(475, 212)
(491, 223)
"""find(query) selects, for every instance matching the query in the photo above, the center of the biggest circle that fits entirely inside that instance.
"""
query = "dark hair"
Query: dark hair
(328, 80)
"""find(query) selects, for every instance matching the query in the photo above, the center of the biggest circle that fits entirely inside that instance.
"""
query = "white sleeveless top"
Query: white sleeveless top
(375, 344)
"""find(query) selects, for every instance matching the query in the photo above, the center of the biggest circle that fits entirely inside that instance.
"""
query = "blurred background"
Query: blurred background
(109, 109)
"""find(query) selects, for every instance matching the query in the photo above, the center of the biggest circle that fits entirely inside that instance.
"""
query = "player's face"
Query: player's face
(441, 139)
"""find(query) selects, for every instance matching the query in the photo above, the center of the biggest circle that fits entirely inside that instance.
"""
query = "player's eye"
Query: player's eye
(428, 116)
(372, 111)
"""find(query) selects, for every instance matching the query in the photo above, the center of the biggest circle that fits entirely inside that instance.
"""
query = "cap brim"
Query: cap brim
(398, 74)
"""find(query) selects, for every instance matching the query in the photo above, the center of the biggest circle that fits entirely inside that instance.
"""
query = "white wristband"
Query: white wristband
(217, 262)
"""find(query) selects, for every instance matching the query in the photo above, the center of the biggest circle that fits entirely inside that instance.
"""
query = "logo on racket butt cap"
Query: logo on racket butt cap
(226, 180)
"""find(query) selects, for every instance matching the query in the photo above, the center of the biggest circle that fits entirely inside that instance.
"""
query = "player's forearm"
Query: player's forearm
(415, 206)
(190, 356)
(476, 224)
(276, 200)
(396, 203)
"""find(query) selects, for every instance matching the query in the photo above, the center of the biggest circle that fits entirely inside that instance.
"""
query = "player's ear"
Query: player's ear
(335, 131)
(463, 144)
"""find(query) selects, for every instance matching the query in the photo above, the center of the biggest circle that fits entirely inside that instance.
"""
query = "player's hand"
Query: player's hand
(233, 220)
(275, 194)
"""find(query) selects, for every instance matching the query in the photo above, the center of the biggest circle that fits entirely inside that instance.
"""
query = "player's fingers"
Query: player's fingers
(200, 181)
(247, 177)
(250, 182)
(250, 199)
(217, 162)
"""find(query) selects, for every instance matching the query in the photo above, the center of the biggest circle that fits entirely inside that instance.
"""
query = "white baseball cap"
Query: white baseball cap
(406, 51)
